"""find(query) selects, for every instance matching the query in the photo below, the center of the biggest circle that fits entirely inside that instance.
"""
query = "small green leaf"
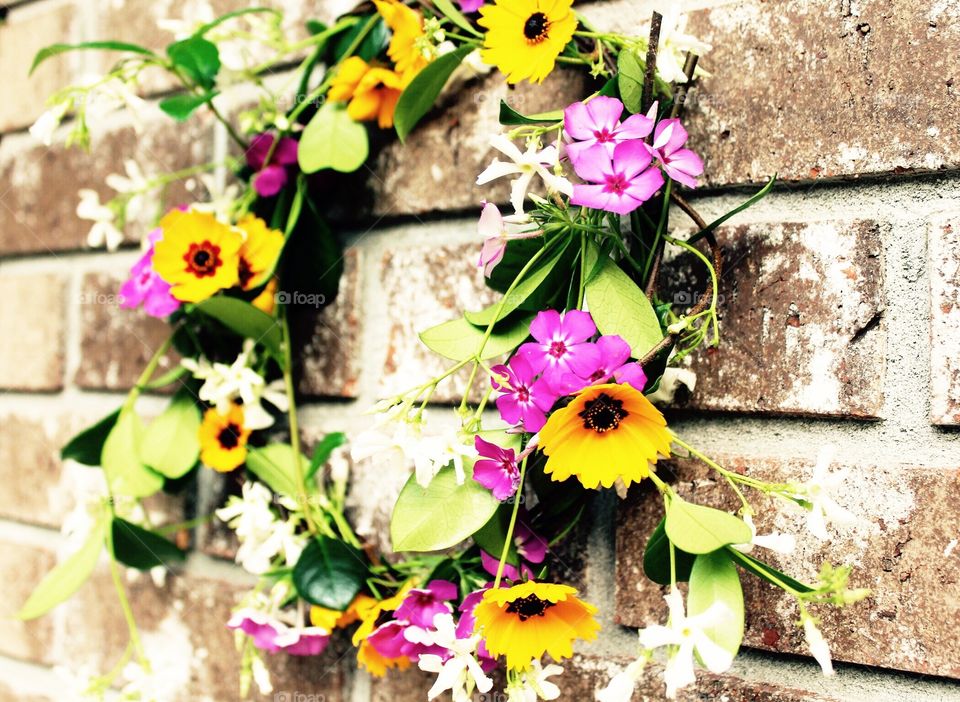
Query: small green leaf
(656, 558)
(66, 578)
(619, 307)
(442, 514)
(714, 579)
(697, 529)
(759, 195)
(87, 446)
(455, 16)
(244, 319)
(519, 295)
(230, 15)
(141, 549)
(180, 107)
(275, 466)
(57, 49)
(329, 573)
(418, 97)
(630, 75)
(125, 472)
(171, 444)
(333, 140)
(323, 449)
(510, 117)
(491, 536)
(766, 571)
(197, 58)
(459, 340)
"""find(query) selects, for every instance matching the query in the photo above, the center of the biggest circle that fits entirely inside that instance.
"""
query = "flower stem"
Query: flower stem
(513, 523)
(125, 605)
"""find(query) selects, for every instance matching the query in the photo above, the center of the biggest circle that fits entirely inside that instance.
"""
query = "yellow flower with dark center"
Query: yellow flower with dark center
(372, 91)
(259, 253)
(223, 439)
(197, 254)
(524, 37)
(525, 621)
(407, 27)
(607, 432)
(367, 656)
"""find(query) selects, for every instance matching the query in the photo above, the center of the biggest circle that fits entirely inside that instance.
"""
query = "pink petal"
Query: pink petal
(630, 158)
(633, 374)
(258, 150)
(286, 153)
(583, 359)
(635, 127)
(677, 135)
(643, 186)
(533, 419)
(593, 166)
(490, 223)
(509, 408)
(614, 351)
(543, 395)
(605, 112)
(577, 121)
(270, 180)
(546, 326)
(595, 196)
(577, 326)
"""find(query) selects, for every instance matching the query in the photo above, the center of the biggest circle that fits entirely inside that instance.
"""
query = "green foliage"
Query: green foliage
(244, 319)
(180, 107)
(714, 579)
(231, 15)
(323, 449)
(656, 558)
(630, 75)
(171, 445)
(57, 49)
(333, 140)
(87, 446)
(454, 15)
(510, 117)
(619, 307)
(196, 59)
(141, 549)
(492, 535)
(767, 572)
(757, 197)
(418, 97)
(697, 529)
(275, 466)
(330, 573)
(520, 294)
(459, 340)
(125, 472)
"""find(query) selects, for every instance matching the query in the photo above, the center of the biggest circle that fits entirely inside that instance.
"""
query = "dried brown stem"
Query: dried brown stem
(680, 97)
(646, 97)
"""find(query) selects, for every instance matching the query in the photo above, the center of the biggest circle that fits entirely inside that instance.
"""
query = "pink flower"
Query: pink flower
(421, 605)
(270, 178)
(619, 183)
(468, 622)
(498, 470)
(633, 374)
(596, 126)
(613, 353)
(470, 5)
(400, 636)
(530, 547)
(562, 345)
(493, 228)
(523, 399)
(683, 165)
(271, 635)
(145, 287)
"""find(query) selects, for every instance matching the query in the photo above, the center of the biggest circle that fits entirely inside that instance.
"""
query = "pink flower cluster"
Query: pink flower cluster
(145, 287)
(621, 170)
(270, 178)
(531, 550)
(271, 635)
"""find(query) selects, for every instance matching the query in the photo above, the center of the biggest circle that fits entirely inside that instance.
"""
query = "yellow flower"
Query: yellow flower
(223, 439)
(259, 252)
(266, 301)
(367, 656)
(197, 254)
(525, 621)
(331, 619)
(606, 432)
(524, 37)
(372, 91)
(407, 27)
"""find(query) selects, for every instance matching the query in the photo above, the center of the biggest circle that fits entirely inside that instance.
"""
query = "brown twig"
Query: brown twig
(680, 98)
(646, 97)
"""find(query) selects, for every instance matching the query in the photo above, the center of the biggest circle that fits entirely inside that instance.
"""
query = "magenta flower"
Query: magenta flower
(497, 471)
(145, 287)
(633, 374)
(271, 635)
(523, 399)
(421, 605)
(467, 623)
(469, 6)
(683, 165)
(613, 353)
(530, 547)
(269, 179)
(619, 183)
(561, 346)
(493, 227)
(596, 126)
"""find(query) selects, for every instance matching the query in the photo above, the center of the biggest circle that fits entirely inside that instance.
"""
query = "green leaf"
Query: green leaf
(197, 58)
(459, 340)
(323, 449)
(630, 80)
(619, 307)
(442, 514)
(656, 558)
(57, 49)
(697, 529)
(736, 210)
(141, 549)
(171, 444)
(230, 15)
(333, 140)
(766, 571)
(520, 293)
(125, 472)
(509, 116)
(454, 15)
(66, 578)
(370, 47)
(418, 97)
(244, 319)
(275, 466)
(87, 446)
(180, 107)
(329, 573)
(491, 536)
(714, 578)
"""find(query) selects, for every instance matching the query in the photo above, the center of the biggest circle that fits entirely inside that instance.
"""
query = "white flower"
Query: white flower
(223, 200)
(819, 647)
(103, 232)
(525, 165)
(134, 184)
(688, 635)
(620, 687)
(671, 381)
(461, 672)
(818, 491)
(195, 15)
(780, 543)
(533, 683)
(261, 675)
(674, 44)
(262, 536)
(114, 94)
(47, 123)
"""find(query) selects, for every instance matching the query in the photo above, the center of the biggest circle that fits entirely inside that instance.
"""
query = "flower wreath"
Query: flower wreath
(586, 345)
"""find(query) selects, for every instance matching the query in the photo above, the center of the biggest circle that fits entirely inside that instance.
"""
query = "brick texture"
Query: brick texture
(32, 447)
(23, 566)
(32, 320)
(801, 325)
(944, 251)
(899, 548)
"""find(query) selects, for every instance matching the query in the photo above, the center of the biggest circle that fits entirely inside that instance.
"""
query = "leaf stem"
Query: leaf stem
(513, 523)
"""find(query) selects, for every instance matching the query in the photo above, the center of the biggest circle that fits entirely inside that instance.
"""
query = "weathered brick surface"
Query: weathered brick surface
(899, 548)
(801, 321)
(944, 251)
(30, 447)
(328, 339)
(22, 566)
(115, 343)
(33, 324)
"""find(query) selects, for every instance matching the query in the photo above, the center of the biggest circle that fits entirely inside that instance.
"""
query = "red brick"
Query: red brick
(29, 447)
(32, 318)
(944, 251)
(899, 548)
(21, 568)
(801, 329)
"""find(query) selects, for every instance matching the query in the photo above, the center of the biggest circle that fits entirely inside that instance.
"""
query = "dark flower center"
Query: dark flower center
(229, 436)
(529, 606)
(244, 272)
(602, 413)
(557, 349)
(203, 259)
(523, 394)
(603, 136)
(617, 184)
(536, 27)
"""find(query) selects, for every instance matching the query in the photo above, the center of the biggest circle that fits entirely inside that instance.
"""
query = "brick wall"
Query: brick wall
(841, 323)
